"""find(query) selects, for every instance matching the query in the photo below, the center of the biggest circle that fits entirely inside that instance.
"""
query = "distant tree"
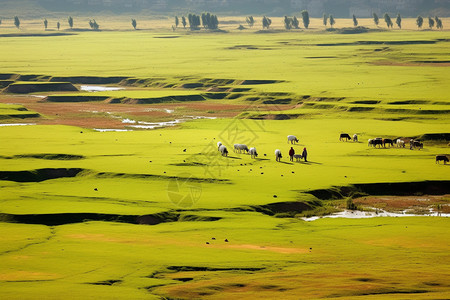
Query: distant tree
(419, 21)
(250, 21)
(45, 24)
(287, 23)
(376, 20)
(183, 21)
(58, 25)
(210, 21)
(177, 21)
(17, 22)
(134, 23)
(439, 23)
(305, 17)
(430, 22)
(332, 21)
(388, 20)
(194, 21)
(70, 20)
(295, 23)
(325, 19)
(93, 24)
(266, 22)
(0, 21)
(355, 21)
(398, 21)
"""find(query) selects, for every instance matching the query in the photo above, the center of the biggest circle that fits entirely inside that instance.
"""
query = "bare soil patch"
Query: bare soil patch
(105, 115)
(440, 203)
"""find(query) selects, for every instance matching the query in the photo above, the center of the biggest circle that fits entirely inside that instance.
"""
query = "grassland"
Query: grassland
(154, 214)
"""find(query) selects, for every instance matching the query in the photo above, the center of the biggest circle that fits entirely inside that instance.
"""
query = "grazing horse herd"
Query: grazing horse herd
(377, 142)
(399, 142)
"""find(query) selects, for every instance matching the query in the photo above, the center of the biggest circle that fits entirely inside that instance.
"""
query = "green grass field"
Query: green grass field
(160, 214)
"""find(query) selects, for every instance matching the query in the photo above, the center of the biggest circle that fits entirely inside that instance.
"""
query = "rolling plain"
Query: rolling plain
(122, 194)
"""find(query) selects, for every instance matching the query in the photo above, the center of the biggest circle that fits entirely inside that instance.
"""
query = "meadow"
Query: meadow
(92, 207)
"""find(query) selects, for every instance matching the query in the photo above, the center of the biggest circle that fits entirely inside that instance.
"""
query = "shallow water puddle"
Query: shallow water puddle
(97, 88)
(17, 124)
(357, 214)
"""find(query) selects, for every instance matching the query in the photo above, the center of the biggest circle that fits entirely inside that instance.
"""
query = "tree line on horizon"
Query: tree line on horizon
(211, 22)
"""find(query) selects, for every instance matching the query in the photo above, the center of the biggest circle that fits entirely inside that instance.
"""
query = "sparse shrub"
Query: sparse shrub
(134, 23)
(419, 21)
(388, 20)
(430, 22)
(439, 23)
(250, 21)
(241, 27)
(332, 21)
(398, 21)
(266, 22)
(350, 205)
(295, 23)
(287, 23)
(376, 20)
(305, 17)
(70, 21)
(355, 21)
(17, 22)
(93, 24)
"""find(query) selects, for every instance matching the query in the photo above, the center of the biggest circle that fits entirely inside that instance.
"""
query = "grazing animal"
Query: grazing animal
(253, 152)
(388, 141)
(292, 138)
(345, 136)
(298, 157)
(418, 144)
(400, 143)
(377, 141)
(370, 143)
(223, 150)
(355, 137)
(442, 157)
(219, 144)
(240, 147)
(278, 155)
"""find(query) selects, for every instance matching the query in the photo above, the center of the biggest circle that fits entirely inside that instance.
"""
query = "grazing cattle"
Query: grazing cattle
(345, 136)
(240, 147)
(370, 142)
(292, 138)
(219, 144)
(278, 155)
(253, 152)
(355, 137)
(298, 157)
(223, 150)
(388, 141)
(442, 157)
(400, 143)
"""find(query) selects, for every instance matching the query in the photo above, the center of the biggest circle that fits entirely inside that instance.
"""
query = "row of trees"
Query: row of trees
(293, 23)
(209, 21)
